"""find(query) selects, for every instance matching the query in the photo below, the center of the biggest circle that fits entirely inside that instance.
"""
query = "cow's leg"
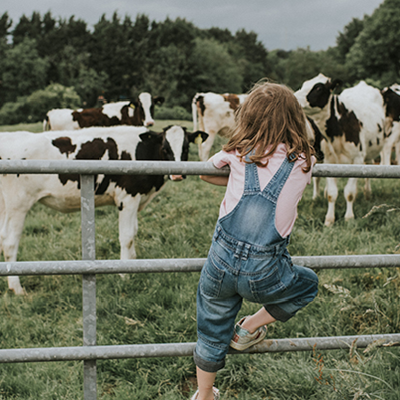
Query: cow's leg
(16, 206)
(10, 236)
(386, 153)
(397, 152)
(350, 193)
(367, 188)
(205, 147)
(331, 193)
(316, 182)
(367, 184)
(391, 141)
(128, 225)
(396, 132)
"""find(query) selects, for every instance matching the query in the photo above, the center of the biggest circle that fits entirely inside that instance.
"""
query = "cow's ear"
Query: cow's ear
(158, 100)
(134, 104)
(148, 136)
(167, 127)
(333, 84)
(197, 137)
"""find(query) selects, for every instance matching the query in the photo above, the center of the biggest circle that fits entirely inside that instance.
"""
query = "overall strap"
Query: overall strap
(251, 182)
(275, 185)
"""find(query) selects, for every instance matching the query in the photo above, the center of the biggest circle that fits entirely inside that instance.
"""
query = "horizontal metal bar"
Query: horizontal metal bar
(124, 167)
(186, 349)
(100, 266)
(356, 171)
(182, 265)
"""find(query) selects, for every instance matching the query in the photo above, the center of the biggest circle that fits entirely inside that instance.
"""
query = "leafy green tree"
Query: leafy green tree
(294, 67)
(248, 52)
(58, 34)
(113, 52)
(69, 63)
(27, 28)
(51, 37)
(347, 38)
(214, 69)
(220, 35)
(14, 112)
(53, 96)
(138, 43)
(253, 58)
(23, 71)
(168, 61)
(5, 25)
(376, 51)
(277, 60)
(34, 107)
(89, 85)
(164, 76)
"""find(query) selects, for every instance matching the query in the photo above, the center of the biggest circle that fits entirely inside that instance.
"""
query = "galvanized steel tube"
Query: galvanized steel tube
(176, 167)
(87, 353)
(182, 265)
(88, 284)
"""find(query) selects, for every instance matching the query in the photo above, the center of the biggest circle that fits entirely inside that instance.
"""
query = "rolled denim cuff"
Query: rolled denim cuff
(278, 313)
(208, 366)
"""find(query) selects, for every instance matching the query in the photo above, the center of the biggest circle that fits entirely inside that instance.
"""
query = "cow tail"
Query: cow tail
(194, 113)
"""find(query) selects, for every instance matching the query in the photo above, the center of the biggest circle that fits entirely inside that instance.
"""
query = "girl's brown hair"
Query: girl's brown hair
(270, 115)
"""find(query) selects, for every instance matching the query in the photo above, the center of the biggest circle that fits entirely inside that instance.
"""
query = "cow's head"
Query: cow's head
(172, 144)
(315, 93)
(142, 109)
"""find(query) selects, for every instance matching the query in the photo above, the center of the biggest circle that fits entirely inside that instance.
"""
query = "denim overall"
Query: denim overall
(248, 259)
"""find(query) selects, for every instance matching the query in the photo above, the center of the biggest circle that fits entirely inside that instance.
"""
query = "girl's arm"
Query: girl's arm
(215, 179)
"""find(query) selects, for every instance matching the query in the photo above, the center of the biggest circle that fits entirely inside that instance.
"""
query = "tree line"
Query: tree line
(48, 62)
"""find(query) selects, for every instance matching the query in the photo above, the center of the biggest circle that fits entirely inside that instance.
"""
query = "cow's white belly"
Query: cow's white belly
(67, 204)
(339, 151)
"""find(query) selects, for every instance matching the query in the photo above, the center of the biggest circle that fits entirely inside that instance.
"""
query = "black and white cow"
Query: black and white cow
(391, 100)
(130, 193)
(215, 114)
(137, 113)
(352, 125)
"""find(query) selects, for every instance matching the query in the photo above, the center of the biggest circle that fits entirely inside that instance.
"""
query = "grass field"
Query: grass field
(160, 308)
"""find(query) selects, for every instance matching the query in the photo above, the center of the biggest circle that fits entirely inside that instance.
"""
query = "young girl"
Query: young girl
(270, 162)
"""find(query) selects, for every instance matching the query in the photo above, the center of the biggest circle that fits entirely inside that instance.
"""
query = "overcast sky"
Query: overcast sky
(283, 24)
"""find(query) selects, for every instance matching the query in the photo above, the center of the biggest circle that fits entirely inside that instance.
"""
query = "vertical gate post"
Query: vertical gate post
(88, 284)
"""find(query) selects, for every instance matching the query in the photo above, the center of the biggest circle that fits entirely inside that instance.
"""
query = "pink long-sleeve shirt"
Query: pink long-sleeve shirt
(292, 191)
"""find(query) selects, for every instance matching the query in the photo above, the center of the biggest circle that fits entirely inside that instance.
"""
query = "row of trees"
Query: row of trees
(119, 58)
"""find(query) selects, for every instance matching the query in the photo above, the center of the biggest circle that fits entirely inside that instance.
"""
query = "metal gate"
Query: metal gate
(89, 267)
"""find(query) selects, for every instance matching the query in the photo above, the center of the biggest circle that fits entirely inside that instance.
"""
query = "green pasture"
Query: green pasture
(160, 308)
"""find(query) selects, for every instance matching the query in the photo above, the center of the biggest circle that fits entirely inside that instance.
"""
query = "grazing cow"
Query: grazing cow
(391, 100)
(130, 193)
(136, 113)
(215, 113)
(351, 124)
